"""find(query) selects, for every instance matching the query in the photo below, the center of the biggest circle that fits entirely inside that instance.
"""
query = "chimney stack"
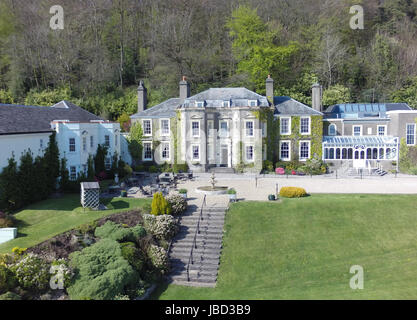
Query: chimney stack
(317, 94)
(270, 89)
(184, 89)
(142, 97)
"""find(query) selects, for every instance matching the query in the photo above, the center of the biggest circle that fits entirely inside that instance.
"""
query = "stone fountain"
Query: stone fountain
(212, 189)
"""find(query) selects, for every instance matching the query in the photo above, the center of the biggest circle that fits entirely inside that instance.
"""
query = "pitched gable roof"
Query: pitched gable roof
(238, 97)
(166, 109)
(288, 106)
(18, 119)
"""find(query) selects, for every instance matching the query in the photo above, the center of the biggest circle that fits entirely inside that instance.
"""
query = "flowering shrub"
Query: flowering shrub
(178, 204)
(280, 171)
(31, 272)
(61, 273)
(162, 227)
(159, 258)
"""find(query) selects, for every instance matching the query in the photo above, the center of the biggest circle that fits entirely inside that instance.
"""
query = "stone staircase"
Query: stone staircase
(204, 265)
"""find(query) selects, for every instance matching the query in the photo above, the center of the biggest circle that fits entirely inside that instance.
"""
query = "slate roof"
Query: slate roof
(19, 119)
(288, 106)
(214, 97)
(165, 109)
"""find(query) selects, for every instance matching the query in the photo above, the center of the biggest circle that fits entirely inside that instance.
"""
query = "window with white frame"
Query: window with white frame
(84, 144)
(332, 130)
(41, 143)
(107, 141)
(382, 130)
(91, 142)
(284, 150)
(411, 134)
(304, 150)
(249, 128)
(196, 153)
(147, 127)
(285, 126)
(357, 130)
(249, 153)
(85, 169)
(195, 125)
(224, 129)
(226, 104)
(72, 145)
(200, 104)
(147, 151)
(253, 103)
(165, 151)
(73, 173)
(165, 130)
(305, 127)
(369, 131)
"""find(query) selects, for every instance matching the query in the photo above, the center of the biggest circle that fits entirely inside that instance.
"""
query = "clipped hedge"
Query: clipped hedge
(292, 192)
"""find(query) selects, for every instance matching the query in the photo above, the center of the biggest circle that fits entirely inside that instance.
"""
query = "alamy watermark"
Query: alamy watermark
(57, 20)
(358, 20)
(356, 282)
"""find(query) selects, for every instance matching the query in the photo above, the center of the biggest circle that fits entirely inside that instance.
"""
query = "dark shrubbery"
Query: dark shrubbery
(7, 279)
(101, 272)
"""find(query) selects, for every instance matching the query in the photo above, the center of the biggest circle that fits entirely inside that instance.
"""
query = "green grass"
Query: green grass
(46, 219)
(304, 248)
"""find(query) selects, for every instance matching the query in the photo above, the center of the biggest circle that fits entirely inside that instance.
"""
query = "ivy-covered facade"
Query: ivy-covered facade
(227, 127)
(239, 129)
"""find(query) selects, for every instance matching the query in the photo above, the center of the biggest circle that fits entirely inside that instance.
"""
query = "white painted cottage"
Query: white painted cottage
(79, 132)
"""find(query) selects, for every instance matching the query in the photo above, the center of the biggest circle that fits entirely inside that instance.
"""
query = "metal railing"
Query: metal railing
(194, 244)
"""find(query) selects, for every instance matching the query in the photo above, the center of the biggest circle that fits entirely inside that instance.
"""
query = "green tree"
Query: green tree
(27, 178)
(336, 94)
(100, 159)
(51, 157)
(64, 175)
(48, 97)
(408, 93)
(10, 195)
(160, 205)
(254, 47)
(135, 141)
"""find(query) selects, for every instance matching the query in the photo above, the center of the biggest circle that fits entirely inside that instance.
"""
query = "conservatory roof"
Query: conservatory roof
(359, 141)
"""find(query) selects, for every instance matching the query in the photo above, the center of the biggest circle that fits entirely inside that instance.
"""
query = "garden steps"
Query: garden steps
(206, 254)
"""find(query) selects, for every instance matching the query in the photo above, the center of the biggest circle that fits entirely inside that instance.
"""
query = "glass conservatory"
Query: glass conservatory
(360, 148)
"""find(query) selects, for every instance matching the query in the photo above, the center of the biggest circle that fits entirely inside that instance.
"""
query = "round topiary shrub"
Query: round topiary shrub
(292, 192)
(162, 227)
(133, 255)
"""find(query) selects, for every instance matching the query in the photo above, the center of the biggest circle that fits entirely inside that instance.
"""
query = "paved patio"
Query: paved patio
(248, 189)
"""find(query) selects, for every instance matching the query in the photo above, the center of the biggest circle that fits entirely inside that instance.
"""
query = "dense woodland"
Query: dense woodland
(107, 46)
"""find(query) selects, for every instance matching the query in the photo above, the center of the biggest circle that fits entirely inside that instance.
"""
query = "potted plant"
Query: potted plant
(232, 194)
(123, 194)
(271, 197)
(183, 192)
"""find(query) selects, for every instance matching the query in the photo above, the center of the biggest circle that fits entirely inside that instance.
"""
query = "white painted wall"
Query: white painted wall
(19, 143)
(78, 131)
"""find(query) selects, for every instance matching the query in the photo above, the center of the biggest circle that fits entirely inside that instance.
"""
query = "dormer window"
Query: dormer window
(200, 104)
(253, 103)
(226, 104)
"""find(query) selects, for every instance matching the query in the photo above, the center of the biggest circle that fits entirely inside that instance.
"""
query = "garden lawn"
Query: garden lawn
(46, 219)
(304, 249)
